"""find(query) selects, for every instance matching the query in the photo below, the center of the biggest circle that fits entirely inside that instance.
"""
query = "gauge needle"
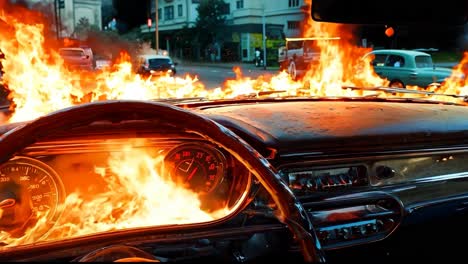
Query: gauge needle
(192, 173)
(189, 166)
(9, 202)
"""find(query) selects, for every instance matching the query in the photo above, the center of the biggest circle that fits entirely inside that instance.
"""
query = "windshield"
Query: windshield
(219, 55)
(423, 61)
(158, 62)
(71, 53)
(240, 84)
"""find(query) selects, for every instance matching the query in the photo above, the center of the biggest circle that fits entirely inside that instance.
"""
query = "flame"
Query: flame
(39, 82)
(454, 84)
(138, 193)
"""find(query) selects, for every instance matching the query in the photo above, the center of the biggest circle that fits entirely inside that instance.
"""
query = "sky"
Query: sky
(132, 13)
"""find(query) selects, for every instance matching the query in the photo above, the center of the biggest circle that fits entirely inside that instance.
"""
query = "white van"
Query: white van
(300, 53)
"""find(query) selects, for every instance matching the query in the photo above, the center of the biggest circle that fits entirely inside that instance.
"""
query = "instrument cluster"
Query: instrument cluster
(35, 185)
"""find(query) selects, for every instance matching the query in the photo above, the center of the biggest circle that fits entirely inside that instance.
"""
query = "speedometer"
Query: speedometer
(200, 166)
(30, 193)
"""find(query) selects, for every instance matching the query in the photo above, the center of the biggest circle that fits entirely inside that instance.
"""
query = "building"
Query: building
(173, 15)
(244, 19)
(76, 10)
(72, 11)
(282, 19)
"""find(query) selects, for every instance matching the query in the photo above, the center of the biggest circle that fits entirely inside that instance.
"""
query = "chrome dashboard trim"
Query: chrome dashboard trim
(359, 158)
(438, 178)
(300, 154)
(420, 205)
(99, 145)
(377, 155)
(445, 177)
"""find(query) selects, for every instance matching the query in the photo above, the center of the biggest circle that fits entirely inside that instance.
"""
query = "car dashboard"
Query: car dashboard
(356, 192)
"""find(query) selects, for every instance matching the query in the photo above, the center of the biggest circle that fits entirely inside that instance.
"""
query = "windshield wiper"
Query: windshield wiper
(394, 90)
(265, 95)
(180, 100)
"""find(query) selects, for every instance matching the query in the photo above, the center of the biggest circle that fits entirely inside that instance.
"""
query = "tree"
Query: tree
(210, 21)
(184, 39)
(83, 28)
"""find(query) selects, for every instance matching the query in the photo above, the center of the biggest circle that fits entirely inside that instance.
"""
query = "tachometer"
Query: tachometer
(200, 166)
(30, 191)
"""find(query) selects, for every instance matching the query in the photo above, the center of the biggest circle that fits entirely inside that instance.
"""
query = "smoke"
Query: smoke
(107, 44)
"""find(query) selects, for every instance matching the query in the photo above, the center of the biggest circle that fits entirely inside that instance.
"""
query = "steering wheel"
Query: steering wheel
(290, 209)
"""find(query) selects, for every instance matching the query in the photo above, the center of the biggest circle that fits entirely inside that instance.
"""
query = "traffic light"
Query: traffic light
(389, 31)
(61, 3)
(149, 22)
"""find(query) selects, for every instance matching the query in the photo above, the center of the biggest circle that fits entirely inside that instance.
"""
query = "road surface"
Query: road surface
(213, 76)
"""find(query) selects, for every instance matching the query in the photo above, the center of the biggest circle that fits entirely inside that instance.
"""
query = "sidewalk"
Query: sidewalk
(446, 64)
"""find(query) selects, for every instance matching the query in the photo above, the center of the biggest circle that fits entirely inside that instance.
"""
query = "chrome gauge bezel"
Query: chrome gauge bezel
(54, 215)
(219, 157)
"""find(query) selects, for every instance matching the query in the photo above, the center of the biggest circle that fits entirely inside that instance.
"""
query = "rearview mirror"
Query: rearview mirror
(394, 12)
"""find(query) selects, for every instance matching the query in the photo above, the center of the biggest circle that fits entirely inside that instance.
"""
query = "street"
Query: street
(211, 75)
(214, 75)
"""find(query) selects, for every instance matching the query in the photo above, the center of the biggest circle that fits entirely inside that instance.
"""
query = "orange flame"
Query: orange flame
(138, 194)
(340, 61)
(39, 83)
(454, 84)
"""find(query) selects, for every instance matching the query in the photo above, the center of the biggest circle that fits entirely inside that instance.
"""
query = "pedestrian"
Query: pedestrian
(257, 57)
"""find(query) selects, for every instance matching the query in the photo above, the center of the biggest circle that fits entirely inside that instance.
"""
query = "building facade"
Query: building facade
(76, 10)
(72, 11)
(244, 19)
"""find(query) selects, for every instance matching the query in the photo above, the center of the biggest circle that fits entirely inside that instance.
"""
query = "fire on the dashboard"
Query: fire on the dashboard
(138, 192)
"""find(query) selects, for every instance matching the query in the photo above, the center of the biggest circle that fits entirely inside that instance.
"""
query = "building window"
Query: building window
(293, 24)
(239, 4)
(293, 3)
(226, 9)
(169, 12)
(179, 10)
(159, 14)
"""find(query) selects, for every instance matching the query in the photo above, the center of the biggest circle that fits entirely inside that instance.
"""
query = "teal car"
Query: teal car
(407, 68)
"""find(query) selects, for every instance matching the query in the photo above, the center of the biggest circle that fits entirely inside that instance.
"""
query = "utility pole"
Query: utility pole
(156, 23)
(56, 19)
(264, 37)
(61, 4)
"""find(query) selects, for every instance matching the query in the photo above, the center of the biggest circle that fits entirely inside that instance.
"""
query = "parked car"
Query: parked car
(300, 54)
(77, 58)
(408, 68)
(156, 65)
(102, 62)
